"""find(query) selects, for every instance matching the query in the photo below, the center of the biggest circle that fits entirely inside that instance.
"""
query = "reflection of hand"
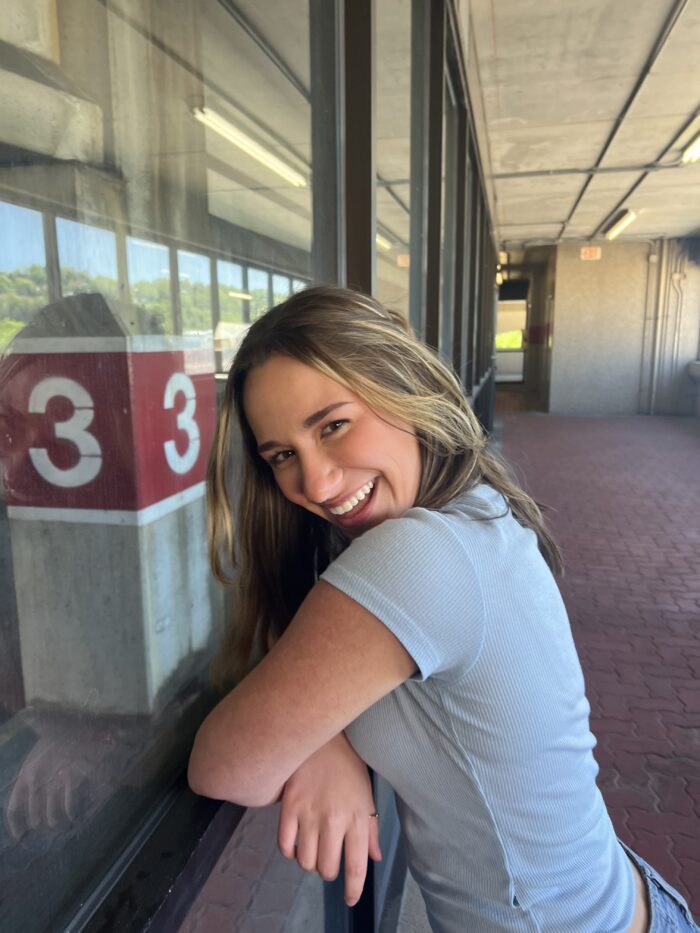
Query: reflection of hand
(326, 804)
(72, 768)
(52, 789)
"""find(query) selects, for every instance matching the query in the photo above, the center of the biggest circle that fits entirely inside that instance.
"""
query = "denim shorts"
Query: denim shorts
(668, 910)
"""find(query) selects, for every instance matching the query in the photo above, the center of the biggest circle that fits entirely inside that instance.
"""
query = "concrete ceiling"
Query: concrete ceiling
(587, 108)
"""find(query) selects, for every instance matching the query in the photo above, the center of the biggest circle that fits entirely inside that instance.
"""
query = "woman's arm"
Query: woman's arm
(334, 661)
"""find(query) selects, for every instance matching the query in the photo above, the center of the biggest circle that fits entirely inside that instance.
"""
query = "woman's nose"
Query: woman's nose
(319, 478)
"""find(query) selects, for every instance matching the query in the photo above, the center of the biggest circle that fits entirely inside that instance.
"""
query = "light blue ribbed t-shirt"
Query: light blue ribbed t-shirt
(488, 746)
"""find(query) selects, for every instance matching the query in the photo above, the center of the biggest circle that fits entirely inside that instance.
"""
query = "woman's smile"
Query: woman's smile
(329, 452)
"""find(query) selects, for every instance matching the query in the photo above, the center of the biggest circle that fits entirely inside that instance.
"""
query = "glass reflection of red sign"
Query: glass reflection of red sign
(104, 430)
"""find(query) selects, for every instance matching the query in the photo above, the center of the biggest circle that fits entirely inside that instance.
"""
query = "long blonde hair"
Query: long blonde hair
(276, 552)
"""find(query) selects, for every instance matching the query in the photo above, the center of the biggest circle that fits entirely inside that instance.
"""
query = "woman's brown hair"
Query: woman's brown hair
(277, 550)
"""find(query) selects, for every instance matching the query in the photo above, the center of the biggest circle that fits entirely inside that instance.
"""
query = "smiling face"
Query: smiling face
(329, 452)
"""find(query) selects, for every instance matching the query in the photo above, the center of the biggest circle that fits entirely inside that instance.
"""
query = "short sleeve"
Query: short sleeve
(415, 575)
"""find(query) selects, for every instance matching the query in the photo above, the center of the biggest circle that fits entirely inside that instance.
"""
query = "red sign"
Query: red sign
(104, 430)
(591, 253)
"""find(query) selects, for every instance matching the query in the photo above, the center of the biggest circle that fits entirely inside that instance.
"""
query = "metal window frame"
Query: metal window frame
(427, 88)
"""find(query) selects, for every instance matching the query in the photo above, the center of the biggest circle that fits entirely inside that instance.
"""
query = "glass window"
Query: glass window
(148, 266)
(234, 310)
(23, 286)
(393, 151)
(259, 288)
(234, 300)
(194, 275)
(87, 258)
(280, 288)
(449, 221)
(133, 161)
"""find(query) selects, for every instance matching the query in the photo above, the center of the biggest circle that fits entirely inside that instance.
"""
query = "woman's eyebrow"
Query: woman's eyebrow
(307, 423)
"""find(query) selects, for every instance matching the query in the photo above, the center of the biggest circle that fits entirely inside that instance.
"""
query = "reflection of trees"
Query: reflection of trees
(24, 291)
(259, 302)
(195, 306)
(154, 297)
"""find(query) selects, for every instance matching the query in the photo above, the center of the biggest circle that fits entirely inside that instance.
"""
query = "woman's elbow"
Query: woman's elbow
(209, 777)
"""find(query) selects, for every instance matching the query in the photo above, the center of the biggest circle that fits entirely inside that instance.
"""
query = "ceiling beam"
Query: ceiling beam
(659, 43)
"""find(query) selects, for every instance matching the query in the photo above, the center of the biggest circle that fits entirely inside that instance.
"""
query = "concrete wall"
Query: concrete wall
(625, 328)
(598, 331)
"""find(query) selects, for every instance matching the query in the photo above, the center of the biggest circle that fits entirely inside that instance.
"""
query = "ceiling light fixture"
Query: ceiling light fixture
(228, 131)
(619, 222)
(691, 153)
(382, 242)
(245, 296)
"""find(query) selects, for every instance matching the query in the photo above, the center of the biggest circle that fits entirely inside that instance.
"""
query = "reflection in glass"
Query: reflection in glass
(23, 286)
(234, 311)
(194, 274)
(393, 151)
(259, 288)
(88, 258)
(255, 121)
(109, 613)
(148, 267)
(280, 288)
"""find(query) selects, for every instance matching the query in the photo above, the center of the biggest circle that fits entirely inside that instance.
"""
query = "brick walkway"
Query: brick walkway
(625, 495)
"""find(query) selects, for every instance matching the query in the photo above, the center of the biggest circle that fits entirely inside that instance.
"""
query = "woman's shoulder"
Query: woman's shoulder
(478, 503)
(427, 529)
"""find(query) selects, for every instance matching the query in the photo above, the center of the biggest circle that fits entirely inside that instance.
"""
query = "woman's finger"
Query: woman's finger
(356, 850)
(374, 851)
(287, 833)
(330, 850)
(307, 845)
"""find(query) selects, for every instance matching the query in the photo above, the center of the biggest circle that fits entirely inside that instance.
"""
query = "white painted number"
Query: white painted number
(73, 430)
(182, 463)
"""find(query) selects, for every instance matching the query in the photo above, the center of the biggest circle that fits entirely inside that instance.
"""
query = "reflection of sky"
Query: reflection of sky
(146, 261)
(21, 238)
(280, 287)
(257, 278)
(229, 274)
(87, 249)
(193, 268)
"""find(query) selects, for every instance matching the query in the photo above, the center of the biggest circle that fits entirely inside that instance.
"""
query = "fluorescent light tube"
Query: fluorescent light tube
(691, 153)
(244, 295)
(382, 241)
(620, 221)
(228, 131)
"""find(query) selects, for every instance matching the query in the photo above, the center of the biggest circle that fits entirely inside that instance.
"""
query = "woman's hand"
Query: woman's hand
(326, 804)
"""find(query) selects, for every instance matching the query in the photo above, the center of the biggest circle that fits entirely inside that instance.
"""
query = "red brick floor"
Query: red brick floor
(624, 495)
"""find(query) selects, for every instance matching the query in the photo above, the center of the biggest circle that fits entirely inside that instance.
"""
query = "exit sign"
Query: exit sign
(591, 253)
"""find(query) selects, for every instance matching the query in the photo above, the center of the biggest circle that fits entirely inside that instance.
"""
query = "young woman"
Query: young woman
(397, 584)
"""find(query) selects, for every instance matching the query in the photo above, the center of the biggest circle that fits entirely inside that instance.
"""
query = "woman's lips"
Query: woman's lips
(358, 512)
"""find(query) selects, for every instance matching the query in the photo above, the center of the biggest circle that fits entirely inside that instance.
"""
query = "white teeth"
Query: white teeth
(354, 500)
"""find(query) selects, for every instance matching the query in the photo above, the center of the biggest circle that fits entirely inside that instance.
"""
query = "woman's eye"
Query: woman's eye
(334, 426)
(280, 457)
